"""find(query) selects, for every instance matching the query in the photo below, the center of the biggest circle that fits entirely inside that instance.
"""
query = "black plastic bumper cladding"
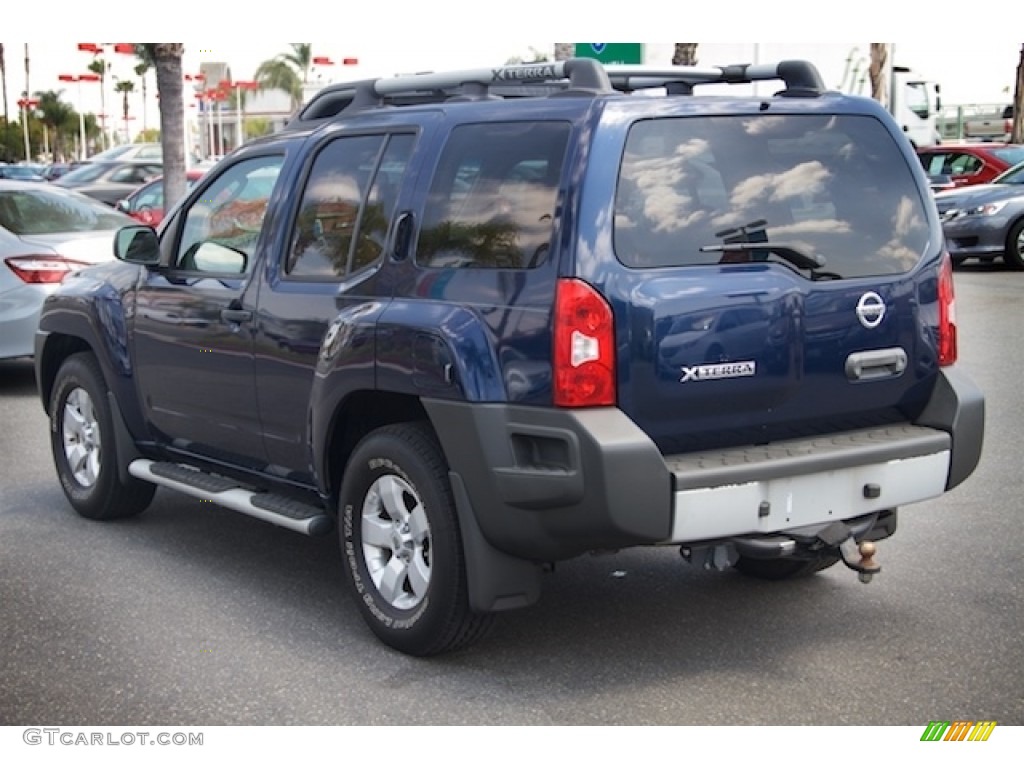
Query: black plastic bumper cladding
(957, 406)
(549, 484)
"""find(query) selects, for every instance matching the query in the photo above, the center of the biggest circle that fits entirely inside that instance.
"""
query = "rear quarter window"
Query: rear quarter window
(834, 186)
(493, 196)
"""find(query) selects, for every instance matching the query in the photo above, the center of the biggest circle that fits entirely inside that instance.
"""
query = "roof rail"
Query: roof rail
(801, 77)
(569, 77)
(579, 76)
(582, 74)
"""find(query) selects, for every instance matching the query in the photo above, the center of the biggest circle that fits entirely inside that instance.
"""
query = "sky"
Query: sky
(388, 37)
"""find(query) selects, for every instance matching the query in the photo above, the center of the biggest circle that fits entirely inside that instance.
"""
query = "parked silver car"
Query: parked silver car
(986, 221)
(45, 233)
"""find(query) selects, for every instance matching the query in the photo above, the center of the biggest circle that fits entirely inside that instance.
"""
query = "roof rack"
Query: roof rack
(801, 77)
(561, 78)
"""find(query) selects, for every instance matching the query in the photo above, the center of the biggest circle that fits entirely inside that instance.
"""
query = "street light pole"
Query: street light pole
(23, 103)
(238, 115)
(83, 152)
(220, 125)
(194, 81)
(239, 86)
(28, 148)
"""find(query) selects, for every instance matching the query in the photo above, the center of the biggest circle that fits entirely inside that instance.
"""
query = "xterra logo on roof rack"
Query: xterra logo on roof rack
(546, 72)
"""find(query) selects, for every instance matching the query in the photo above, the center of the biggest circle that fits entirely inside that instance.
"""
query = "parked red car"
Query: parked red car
(146, 204)
(968, 164)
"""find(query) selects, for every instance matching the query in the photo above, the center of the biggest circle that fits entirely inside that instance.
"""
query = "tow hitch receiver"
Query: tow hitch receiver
(860, 557)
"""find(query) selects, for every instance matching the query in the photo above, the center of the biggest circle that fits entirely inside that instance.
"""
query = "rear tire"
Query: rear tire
(1014, 256)
(401, 544)
(782, 568)
(82, 441)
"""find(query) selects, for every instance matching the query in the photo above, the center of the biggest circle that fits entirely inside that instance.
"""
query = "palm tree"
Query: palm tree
(101, 67)
(564, 51)
(877, 70)
(287, 72)
(166, 58)
(3, 79)
(58, 116)
(92, 131)
(685, 54)
(124, 87)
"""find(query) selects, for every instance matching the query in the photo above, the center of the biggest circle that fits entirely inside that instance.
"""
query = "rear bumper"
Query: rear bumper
(548, 484)
(19, 318)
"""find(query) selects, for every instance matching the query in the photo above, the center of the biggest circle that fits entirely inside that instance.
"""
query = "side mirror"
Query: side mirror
(137, 245)
(123, 205)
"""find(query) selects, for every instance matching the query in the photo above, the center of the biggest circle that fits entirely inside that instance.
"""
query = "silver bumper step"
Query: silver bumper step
(272, 508)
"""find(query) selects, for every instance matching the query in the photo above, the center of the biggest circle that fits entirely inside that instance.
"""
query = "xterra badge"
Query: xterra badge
(718, 371)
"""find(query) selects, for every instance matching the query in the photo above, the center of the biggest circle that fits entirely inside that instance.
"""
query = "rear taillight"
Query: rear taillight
(42, 269)
(947, 313)
(584, 354)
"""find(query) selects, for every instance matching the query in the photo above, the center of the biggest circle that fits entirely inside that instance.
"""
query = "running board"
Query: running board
(272, 508)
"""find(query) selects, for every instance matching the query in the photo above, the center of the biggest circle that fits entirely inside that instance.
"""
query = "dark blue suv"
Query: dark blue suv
(479, 322)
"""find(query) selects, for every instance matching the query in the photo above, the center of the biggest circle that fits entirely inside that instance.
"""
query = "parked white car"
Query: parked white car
(46, 232)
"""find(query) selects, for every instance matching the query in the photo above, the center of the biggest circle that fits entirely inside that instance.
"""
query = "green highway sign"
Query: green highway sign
(612, 53)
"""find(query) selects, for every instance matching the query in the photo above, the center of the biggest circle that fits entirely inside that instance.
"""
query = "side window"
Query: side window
(135, 174)
(151, 197)
(229, 214)
(347, 205)
(492, 199)
(124, 175)
(933, 163)
(965, 164)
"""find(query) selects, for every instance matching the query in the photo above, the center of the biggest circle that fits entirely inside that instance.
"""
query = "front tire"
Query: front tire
(82, 441)
(401, 544)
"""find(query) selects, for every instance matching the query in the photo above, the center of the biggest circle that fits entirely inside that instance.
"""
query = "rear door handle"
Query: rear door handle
(236, 316)
(876, 364)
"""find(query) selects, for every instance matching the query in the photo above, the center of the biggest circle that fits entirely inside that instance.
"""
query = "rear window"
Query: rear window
(831, 189)
(48, 210)
(1010, 155)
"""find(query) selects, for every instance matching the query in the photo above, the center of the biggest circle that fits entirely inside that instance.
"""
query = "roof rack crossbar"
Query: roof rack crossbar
(799, 76)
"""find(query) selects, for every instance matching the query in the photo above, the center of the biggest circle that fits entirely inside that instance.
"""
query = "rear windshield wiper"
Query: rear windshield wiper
(790, 253)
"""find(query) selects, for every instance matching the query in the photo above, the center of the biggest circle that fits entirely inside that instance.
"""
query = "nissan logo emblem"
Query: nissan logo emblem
(870, 310)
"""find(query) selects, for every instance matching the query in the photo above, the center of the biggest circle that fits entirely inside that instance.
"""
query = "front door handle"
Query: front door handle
(236, 316)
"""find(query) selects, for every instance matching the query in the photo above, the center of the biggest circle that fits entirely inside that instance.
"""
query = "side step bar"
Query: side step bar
(272, 508)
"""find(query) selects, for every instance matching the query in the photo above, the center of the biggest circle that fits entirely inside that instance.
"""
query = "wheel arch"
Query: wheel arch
(1015, 225)
(353, 418)
(50, 355)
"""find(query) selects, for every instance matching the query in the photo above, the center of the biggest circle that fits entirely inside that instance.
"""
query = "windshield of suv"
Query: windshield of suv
(831, 196)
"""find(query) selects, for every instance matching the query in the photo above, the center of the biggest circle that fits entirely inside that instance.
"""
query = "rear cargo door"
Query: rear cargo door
(774, 277)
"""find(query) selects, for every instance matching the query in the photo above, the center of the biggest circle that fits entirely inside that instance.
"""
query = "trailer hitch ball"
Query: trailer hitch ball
(867, 551)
